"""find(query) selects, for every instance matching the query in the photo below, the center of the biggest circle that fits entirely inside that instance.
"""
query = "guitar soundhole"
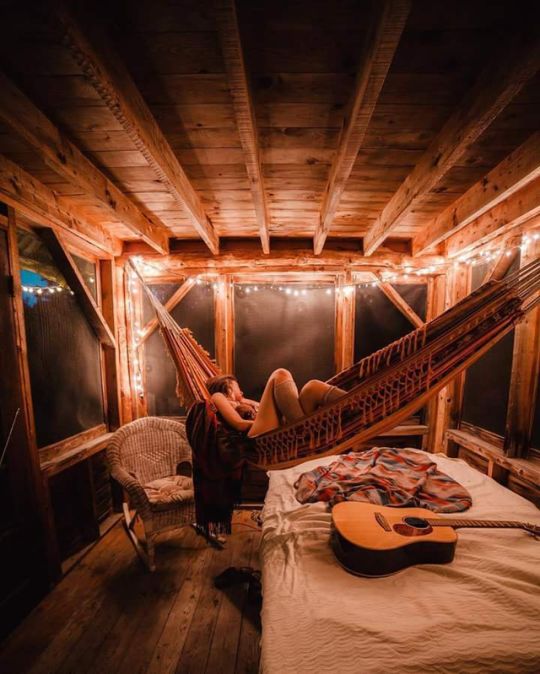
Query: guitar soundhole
(413, 526)
(416, 522)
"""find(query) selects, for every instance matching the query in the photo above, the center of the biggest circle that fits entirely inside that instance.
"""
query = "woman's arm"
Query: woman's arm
(229, 414)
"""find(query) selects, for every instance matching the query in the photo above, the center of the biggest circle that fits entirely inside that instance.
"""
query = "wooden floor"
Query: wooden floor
(110, 615)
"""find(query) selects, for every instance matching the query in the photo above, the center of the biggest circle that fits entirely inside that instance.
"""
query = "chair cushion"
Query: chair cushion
(168, 492)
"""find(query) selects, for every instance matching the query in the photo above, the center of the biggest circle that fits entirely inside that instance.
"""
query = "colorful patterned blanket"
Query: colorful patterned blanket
(387, 476)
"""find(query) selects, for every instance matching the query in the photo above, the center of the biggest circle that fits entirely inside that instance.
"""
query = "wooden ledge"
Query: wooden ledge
(529, 469)
(404, 430)
(74, 455)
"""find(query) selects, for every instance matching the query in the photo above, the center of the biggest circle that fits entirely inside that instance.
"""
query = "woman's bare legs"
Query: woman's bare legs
(280, 398)
(317, 393)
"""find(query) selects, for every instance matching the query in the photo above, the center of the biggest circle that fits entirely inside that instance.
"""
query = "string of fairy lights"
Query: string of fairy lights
(403, 274)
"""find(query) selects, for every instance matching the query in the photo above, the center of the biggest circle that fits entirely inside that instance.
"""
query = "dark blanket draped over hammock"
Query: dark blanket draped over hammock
(219, 456)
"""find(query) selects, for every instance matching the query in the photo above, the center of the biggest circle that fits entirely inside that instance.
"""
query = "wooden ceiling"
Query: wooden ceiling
(146, 119)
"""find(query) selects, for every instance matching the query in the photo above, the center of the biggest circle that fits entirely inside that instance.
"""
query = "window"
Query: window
(64, 364)
(275, 329)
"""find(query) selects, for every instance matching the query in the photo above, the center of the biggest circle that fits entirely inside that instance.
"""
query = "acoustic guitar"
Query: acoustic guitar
(372, 540)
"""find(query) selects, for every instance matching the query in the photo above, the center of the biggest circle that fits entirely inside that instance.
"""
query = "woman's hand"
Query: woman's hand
(229, 414)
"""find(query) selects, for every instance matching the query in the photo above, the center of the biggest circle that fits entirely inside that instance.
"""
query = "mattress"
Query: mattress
(481, 613)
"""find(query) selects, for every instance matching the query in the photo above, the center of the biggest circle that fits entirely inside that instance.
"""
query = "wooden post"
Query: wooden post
(438, 408)
(525, 372)
(458, 288)
(224, 323)
(22, 396)
(111, 356)
(345, 313)
(126, 398)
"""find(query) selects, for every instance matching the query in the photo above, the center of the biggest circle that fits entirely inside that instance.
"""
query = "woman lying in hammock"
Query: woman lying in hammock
(280, 403)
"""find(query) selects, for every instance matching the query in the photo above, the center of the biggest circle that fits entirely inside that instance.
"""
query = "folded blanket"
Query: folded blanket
(387, 476)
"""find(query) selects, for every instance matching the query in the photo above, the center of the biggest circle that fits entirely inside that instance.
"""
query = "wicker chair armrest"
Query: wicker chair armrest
(138, 498)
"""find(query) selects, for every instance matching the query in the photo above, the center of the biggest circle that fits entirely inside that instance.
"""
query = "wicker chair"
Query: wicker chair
(144, 457)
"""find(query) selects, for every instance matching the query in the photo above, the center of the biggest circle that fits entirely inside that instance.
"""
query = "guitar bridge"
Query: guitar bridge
(382, 521)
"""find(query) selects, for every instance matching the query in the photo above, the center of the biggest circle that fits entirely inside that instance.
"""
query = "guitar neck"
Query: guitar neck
(477, 524)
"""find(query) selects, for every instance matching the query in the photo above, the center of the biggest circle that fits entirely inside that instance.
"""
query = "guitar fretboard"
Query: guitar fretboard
(480, 524)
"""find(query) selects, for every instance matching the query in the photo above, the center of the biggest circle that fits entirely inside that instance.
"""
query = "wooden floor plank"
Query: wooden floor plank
(173, 637)
(224, 646)
(111, 615)
(195, 652)
(247, 657)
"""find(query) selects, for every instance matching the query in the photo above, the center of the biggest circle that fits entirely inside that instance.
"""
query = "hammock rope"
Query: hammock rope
(384, 388)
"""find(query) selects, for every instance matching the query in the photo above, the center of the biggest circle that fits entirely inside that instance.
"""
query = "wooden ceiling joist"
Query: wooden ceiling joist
(493, 91)
(514, 172)
(71, 273)
(518, 209)
(379, 51)
(231, 47)
(35, 200)
(104, 69)
(58, 152)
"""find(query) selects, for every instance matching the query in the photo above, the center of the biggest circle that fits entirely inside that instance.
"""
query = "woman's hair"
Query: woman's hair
(220, 384)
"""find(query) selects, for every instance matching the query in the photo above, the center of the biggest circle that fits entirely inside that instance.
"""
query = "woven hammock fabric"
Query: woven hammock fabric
(194, 366)
(384, 388)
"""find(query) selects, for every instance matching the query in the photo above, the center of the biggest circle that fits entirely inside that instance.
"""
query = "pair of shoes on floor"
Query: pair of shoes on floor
(235, 575)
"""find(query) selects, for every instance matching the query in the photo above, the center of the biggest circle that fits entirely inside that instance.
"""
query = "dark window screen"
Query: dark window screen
(63, 350)
(196, 312)
(163, 292)
(273, 329)
(487, 381)
(415, 294)
(378, 322)
(88, 272)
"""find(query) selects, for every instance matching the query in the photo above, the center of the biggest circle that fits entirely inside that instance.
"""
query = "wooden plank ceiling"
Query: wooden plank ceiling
(225, 120)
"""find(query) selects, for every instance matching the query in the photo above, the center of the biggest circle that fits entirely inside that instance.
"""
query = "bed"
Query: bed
(481, 613)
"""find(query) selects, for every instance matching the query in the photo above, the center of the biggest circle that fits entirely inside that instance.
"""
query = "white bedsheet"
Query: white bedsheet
(481, 613)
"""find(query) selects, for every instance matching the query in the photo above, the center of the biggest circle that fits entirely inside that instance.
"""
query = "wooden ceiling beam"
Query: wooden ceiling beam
(231, 46)
(253, 261)
(514, 172)
(71, 273)
(379, 51)
(495, 88)
(518, 209)
(58, 152)
(36, 201)
(105, 71)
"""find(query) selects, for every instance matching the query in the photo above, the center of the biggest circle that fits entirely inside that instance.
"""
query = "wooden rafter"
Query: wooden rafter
(71, 273)
(379, 51)
(231, 47)
(56, 150)
(169, 305)
(521, 207)
(35, 200)
(485, 101)
(111, 79)
(520, 167)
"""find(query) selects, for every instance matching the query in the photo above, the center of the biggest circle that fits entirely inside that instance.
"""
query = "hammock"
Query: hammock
(384, 388)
